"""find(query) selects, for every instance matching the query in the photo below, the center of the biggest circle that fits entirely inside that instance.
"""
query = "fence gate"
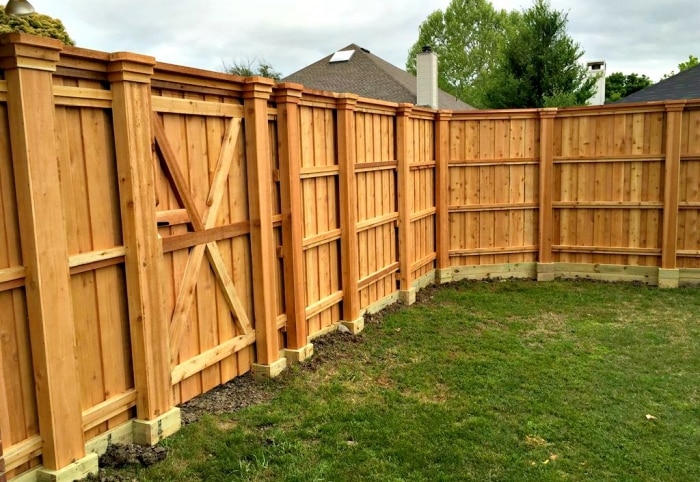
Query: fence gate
(194, 217)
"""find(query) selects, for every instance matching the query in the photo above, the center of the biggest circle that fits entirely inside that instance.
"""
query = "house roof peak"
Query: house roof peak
(367, 75)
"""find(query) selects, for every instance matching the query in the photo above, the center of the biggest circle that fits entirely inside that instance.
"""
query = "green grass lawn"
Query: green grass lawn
(503, 381)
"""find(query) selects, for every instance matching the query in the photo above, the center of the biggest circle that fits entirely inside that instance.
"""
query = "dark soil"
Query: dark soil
(239, 393)
(119, 456)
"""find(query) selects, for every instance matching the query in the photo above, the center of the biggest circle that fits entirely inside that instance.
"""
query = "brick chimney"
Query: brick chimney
(427, 78)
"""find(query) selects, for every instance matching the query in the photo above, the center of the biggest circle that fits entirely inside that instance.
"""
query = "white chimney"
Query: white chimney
(597, 69)
(427, 78)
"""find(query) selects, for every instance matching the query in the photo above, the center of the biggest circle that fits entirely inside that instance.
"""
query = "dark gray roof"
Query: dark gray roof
(684, 85)
(367, 75)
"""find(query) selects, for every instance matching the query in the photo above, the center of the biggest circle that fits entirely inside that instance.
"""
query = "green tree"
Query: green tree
(465, 37)
(619, 85)
(35, 24)
(688, 64)
(539, 64)
(252, 67)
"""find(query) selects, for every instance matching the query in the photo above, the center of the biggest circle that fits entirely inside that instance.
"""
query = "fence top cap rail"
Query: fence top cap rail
(27, 39)
(496, 114)
(166, 68)
(83, 53)
(309, 92)
(132, 57)
(368, 101)
(289, 85)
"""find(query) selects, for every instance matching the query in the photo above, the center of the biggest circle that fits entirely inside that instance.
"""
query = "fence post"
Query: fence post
(256, 95)
(545, 263)
(29, 63)
(404, 154)
(350, 267)
(130, 76)
(442, 195)
(668, 272)
(288, 97)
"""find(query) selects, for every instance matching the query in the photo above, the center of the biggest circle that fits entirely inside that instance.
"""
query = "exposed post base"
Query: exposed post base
(443, 276)
(545, 271)
(150, 432)
(356, 326)
(78, 470)
(408, 297)
(269, 371)
(297, 356)
(669, 278)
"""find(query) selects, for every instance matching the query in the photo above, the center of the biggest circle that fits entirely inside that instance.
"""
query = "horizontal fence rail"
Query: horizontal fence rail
(165, 229)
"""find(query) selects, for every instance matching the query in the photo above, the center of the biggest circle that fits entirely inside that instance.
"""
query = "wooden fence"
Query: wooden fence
(165, 229)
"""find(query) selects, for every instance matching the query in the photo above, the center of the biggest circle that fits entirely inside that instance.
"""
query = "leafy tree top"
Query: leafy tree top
(494, 58)
(465, 36)
(619, 85)
(539, 65)
(35, 24)
(688, 64)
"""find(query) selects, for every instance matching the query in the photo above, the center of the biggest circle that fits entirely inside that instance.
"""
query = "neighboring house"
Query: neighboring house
(356, 70)
(683, 85)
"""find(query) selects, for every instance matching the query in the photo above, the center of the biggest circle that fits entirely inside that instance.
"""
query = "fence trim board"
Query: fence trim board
(108, 409)
(497, 271)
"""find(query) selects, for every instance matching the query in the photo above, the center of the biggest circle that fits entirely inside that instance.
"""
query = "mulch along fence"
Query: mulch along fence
(166, 229)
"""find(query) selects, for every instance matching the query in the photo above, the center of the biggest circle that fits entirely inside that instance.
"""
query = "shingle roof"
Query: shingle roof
(367, 75)
(684, 85)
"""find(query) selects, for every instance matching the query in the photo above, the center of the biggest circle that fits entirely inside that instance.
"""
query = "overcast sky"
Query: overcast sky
(645, 36)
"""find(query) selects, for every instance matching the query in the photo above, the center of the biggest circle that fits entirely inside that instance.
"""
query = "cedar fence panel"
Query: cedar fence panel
(421, 193)
(377, 212)
(689, 190)
(202, 225)
(89, 186)
(494, 184)
(320, 193)
(608, 175)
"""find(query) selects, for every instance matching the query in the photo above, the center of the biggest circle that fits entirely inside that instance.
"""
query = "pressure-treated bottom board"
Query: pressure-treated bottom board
(600, 272)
